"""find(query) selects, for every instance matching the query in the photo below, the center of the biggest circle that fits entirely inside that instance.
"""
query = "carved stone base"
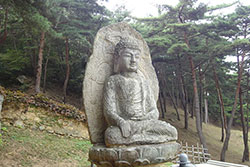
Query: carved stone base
(133, 156)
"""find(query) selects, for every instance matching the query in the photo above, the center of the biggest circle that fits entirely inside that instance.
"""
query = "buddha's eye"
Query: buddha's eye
(127, 55)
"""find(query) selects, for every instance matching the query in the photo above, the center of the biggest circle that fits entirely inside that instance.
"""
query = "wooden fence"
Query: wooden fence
(196, 154)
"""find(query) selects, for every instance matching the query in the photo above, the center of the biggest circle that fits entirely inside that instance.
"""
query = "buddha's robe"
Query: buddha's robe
(128, 99)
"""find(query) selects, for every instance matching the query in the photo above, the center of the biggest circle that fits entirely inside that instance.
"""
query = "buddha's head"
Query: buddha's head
(126, 56)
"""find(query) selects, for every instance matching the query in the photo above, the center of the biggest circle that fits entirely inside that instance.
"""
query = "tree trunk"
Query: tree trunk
(197, 105)
(201, 95)
(176, 92)
(196, 97)
(175, 106)
(45, 75)
(228, 130)
(164, 102)
(161, 105)
(39, 64)
(34, 62)
(192, 107)
(222, 113)
(2, 39)
(184, 97)
(205, 102)
(67, 70)
(206, 109)
(246, 149)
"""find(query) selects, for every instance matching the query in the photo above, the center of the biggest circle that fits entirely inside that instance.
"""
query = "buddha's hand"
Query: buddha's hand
(125, 128)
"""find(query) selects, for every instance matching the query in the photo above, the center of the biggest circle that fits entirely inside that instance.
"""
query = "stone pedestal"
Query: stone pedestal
(133, 156)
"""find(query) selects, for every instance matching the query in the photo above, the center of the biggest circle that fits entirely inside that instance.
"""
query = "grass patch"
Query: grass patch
(34, 148)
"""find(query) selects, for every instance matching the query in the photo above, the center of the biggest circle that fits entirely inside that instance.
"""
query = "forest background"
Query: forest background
(50, 41)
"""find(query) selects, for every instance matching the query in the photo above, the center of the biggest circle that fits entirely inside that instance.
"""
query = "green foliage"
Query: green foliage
(188, 28)
(178, 48)
(77, 20)
(4, 129)
(241, 43)
(12, 64)
(13, 61)
(185, 30)
(120, 14)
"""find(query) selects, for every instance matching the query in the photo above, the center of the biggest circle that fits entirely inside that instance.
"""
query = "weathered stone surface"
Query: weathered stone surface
(129, 107)
(19, 123)
(31, 116)
(133, 156)
(147, 132)
(23, 79)
(42, 127)
(100, 67)
(120, 93)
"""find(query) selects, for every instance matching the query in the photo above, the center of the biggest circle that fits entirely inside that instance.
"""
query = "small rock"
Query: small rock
(22, 79)
(60, 121)
(41, 127)
(34, 127)
(30, 115)
(36, 119)
(19, 123)
(22, 117)
(6, 123)
(49, 129)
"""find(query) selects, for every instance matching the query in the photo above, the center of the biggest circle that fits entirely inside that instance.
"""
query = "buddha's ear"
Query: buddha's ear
(116, 65)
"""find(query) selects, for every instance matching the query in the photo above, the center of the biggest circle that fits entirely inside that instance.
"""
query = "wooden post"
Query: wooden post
(203, 153)
(193, 159)
(186, 148)
(198, 150)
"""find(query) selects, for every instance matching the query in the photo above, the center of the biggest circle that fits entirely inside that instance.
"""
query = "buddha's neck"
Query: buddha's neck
(129, 74)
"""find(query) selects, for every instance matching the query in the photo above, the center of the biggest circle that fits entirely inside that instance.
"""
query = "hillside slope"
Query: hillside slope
(212, 134)
(35, 136)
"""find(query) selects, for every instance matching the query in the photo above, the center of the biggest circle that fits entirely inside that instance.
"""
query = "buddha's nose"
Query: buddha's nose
(133, 58)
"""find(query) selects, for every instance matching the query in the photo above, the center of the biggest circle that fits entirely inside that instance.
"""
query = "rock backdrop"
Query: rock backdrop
(100, 66)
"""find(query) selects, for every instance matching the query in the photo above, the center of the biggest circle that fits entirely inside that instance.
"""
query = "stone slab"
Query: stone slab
(204, 165)
(224, 164)
(133, 156)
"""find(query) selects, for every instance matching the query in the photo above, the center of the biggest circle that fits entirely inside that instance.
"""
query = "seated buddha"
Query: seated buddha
(129, 106)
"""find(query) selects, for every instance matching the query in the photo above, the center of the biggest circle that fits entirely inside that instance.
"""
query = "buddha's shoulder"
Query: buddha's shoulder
(113, 79)
(117, 78)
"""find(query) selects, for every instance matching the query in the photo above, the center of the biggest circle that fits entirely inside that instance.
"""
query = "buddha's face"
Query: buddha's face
(128, 60)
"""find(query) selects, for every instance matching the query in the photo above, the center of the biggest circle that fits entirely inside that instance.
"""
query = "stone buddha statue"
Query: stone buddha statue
(129, 107)
(120, 91)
